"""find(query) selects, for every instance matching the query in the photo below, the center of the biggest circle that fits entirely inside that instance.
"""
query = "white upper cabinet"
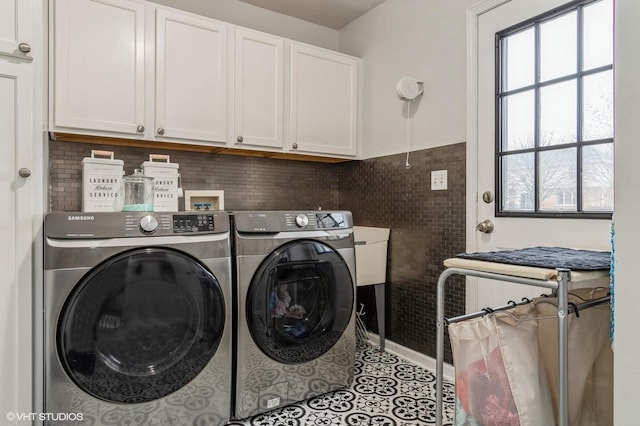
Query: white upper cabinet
(258, 90)
(134, 69)
(98, 66)
(324, 101)
(16, 28)
(191, 77)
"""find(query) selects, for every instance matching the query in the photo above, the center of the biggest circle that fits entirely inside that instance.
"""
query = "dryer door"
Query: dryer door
(300, 301)
(141, 325)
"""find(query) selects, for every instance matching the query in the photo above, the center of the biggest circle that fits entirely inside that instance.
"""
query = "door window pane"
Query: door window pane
(518, 187)
(558, 113)
(598, 34)
(555, 138)
(518, 119)
(597, 177)
(557, 189)
(519, 51)
(597, 110)
(558, 46)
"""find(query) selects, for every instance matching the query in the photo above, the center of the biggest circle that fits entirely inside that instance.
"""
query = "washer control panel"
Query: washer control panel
(192, 223)
(83, 225)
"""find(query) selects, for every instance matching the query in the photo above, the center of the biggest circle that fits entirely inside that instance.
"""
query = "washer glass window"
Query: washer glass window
(300, 301)
(141, 325)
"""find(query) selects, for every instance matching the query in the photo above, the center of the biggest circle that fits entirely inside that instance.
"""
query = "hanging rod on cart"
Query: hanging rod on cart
(510, 304)
(573, 308)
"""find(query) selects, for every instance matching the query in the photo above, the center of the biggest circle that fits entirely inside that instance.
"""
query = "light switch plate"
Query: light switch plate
(438, 180)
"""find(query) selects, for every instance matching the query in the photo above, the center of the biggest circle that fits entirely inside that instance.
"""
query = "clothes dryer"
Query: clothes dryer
(295, 307)
(137, 317)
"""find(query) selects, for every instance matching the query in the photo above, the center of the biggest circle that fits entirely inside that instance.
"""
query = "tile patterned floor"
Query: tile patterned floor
(387, 391)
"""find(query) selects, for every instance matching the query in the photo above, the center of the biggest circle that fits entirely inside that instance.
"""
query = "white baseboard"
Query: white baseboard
(421, 359)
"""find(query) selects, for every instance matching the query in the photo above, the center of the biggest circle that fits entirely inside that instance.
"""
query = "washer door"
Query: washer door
(141, 325)
(300, 301)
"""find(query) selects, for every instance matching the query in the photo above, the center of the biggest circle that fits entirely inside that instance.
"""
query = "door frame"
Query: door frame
(473, 17)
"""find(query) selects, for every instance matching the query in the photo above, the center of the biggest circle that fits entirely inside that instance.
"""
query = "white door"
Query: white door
(16, 136)
(509, 232)
(98, 65)
(324, 94)
(191, 77)
(258, 90)
(15, 27)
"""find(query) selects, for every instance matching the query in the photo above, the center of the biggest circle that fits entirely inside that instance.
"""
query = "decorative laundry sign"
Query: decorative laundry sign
(165, 182)
(101, 182)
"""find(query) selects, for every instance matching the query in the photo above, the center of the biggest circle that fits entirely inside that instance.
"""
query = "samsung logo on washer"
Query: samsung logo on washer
(80, 218)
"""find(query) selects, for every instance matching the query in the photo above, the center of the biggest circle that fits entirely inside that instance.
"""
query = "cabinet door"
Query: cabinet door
(98, 65)
(258, 89)
(15, 27)
(16, 134)
(191, 77)
(323, 101)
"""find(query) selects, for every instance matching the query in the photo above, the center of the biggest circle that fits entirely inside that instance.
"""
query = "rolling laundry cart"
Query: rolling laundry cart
(519, 271)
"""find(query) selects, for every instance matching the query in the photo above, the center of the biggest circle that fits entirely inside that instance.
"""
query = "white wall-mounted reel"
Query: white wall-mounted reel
(409, 88)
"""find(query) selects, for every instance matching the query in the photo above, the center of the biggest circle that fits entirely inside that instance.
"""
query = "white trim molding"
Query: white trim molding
(418, 358)
(473, 15)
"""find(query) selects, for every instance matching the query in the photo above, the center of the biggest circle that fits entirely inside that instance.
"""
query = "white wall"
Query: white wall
(257, 18)
(423, 39)
(627, 239)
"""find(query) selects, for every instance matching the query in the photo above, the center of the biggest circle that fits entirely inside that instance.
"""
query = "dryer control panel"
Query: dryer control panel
(279, 221)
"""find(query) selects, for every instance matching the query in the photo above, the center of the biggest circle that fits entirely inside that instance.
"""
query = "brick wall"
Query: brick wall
(249, 183)
(426, 228)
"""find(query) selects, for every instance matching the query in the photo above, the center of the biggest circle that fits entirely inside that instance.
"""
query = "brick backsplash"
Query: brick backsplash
(249, 183)
(426, 226)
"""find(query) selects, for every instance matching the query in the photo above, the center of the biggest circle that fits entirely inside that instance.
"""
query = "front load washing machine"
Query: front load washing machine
(137, 318)
(295, 307)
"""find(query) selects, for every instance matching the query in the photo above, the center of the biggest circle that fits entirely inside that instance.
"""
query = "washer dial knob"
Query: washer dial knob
(302, 220)
(148, 224)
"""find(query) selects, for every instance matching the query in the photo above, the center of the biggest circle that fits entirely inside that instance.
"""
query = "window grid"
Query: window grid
(537, 85)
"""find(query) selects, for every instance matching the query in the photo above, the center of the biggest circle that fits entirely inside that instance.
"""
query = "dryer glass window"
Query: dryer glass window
(141, 325)
(300, 301)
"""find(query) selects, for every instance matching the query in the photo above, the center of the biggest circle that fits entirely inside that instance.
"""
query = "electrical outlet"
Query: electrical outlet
(438, 180)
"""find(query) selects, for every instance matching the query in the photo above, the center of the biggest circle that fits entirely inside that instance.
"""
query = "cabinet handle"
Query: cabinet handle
(24, 47)
(24, 172)
(294, 146)
(160, 131)
(140, 129)
(239, 138)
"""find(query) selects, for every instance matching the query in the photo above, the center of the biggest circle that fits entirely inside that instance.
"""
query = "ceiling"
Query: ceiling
(333, 14)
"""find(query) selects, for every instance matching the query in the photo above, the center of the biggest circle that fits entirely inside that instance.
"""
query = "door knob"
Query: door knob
(486, 226)
(24, 47)
(24, 172)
